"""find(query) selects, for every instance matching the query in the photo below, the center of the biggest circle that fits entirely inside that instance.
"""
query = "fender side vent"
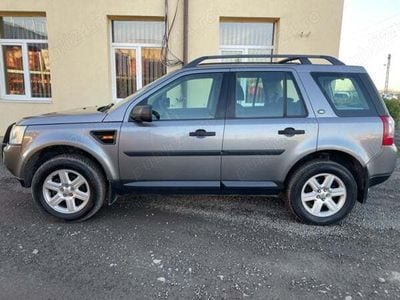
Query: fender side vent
(105, 136)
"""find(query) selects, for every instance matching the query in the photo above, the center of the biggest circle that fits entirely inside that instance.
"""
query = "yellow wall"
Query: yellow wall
(79, 39)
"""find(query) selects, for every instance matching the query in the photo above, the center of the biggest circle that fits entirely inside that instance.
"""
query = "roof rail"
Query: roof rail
(304, 59)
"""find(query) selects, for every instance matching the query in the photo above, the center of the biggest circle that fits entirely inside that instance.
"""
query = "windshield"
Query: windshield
(138, 92)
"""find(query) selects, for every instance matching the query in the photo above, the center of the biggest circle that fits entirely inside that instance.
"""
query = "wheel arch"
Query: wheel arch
(46, 153)
(349, 161)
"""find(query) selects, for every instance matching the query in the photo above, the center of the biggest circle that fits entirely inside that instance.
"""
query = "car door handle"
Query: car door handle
(202, 133)
(290, 131)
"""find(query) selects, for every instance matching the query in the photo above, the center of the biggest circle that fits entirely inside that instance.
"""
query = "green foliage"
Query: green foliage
(393, 105)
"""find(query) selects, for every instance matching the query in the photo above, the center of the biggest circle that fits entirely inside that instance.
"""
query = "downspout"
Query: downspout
(185, 30)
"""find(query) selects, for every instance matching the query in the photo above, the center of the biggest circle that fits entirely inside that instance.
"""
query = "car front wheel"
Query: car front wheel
(69, 187)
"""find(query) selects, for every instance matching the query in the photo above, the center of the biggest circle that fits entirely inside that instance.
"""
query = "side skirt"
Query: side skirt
(195, 188)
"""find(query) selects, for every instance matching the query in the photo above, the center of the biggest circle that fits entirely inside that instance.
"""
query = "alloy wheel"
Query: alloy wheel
(66, 191)
(323, 195)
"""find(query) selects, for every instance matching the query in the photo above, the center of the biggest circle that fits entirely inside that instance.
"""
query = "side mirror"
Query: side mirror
(142, 113)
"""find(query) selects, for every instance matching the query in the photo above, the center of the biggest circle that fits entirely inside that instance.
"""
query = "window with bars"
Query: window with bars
(136, 55)
(246, 38)
(24, 58)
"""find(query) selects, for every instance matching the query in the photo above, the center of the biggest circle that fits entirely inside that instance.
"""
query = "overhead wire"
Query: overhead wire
(166, 52)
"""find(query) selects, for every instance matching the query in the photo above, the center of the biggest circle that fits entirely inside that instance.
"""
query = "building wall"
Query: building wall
(79, 39)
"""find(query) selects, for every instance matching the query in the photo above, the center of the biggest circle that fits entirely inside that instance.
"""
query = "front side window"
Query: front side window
(345, 92)
(267, 95)
(189, 97)
(24, 58)
(136, 49)
(246, 38)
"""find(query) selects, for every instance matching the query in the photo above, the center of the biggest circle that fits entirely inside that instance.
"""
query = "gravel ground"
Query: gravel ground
(209, 247)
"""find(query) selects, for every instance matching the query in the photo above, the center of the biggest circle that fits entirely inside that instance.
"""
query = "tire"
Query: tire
(75, 187)
(321, 193)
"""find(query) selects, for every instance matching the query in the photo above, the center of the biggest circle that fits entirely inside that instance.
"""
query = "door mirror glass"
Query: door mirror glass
(142, 113)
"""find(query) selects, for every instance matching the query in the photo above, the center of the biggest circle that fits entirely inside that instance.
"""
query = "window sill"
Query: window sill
(27, 100)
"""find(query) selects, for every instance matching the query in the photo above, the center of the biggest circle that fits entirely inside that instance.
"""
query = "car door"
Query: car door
(269, 126)
(183, 148)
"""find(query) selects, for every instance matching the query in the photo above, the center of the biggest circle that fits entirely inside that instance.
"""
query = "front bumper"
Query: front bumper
(12, 159)
(12, 156)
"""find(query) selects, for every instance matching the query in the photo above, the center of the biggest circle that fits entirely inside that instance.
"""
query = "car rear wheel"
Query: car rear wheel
(321, 193)
(69, 187)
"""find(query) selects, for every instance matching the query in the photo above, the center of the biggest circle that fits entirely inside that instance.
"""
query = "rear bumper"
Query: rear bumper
(382, 165)
(378, 179)
(378, 170)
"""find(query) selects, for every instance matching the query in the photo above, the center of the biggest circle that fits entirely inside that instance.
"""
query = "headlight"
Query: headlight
(17, 134)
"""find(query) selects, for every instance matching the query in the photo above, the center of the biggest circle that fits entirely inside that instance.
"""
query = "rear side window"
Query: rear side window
(267, 95)
(346, 94)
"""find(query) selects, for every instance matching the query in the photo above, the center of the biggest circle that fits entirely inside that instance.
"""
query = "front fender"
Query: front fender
(39, 138)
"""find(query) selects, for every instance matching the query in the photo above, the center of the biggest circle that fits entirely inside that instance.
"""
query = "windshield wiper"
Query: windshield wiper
(105, 107)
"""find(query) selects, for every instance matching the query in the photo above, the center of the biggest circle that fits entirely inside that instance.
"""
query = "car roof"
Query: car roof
(298, 62)
(264, 66)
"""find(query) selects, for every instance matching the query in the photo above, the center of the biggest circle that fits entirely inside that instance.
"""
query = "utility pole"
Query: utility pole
(387, 74)
(185, 31)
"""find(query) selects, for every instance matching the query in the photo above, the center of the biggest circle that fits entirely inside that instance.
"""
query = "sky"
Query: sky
(370, 31)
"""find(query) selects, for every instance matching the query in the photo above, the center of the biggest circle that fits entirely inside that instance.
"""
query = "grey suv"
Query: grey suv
(317, 134)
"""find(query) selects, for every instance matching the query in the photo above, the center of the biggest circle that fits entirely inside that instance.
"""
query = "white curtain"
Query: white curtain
(33, 28)
(246, 34)
(138, 32)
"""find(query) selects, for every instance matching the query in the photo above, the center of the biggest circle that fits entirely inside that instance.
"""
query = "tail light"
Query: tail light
(388, 130)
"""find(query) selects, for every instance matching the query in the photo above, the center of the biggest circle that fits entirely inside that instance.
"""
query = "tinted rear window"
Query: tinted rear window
(346, 94)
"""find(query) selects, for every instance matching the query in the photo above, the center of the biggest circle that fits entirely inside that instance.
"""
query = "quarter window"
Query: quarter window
(136, 55)
(24, 58)
(267, 94)
(189, 97)
(246, 38)
(345, 92)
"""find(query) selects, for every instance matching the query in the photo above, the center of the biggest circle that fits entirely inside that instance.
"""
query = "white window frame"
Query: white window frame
(25, 63)
(244, 49)
(138, 49)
